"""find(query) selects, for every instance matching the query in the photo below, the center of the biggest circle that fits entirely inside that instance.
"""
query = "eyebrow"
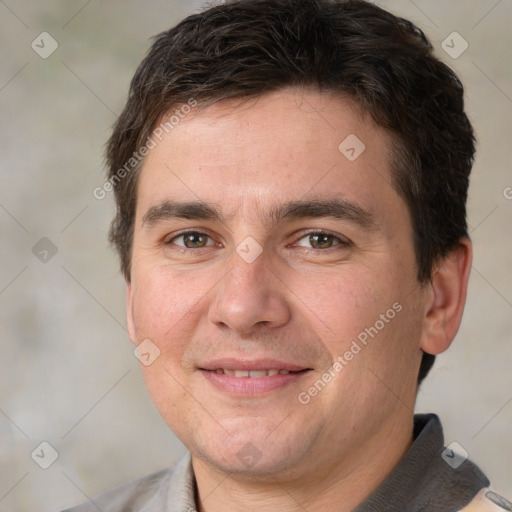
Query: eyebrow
(292, 210)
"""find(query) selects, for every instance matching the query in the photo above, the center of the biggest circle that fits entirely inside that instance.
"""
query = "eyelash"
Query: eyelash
(342, 241)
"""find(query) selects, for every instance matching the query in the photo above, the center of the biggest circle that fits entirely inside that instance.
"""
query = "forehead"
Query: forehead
(285, 145)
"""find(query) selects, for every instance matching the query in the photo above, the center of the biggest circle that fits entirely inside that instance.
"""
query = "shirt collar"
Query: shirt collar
(423, 480)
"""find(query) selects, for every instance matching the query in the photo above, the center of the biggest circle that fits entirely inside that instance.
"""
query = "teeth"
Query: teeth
(258, 373)
(251, 373)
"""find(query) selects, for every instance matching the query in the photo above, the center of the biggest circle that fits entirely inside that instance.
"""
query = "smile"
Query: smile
(251, 373)
(250, 381)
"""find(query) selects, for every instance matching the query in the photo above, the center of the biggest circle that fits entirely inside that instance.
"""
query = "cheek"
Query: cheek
(344, 303)
(168, 393)
(366, 321)
(165, 309)
(164, 305)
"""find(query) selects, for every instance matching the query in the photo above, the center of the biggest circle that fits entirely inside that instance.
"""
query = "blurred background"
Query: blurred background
(68, 376)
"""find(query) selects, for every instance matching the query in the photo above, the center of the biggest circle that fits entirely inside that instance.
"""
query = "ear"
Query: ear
(446, 299)
(129, 313)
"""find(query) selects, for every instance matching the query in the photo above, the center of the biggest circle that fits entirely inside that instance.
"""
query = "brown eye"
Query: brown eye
(191, 240)
(320, 241)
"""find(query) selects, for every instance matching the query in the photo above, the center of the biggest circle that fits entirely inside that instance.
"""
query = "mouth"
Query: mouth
(252, 378)
(253, 374)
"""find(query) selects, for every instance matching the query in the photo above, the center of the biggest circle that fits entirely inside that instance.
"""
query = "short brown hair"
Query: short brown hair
(384, 63)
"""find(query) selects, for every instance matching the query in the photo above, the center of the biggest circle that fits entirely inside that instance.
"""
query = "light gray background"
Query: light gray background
(68, 375)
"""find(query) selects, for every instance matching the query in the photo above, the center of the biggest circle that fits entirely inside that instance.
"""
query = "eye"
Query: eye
(191, 240)
(321, 240)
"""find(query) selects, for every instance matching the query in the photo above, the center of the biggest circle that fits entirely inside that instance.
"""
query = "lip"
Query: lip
(252, 386)
(251, 365)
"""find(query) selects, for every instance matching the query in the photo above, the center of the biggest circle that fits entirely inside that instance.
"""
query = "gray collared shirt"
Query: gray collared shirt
(423, 481)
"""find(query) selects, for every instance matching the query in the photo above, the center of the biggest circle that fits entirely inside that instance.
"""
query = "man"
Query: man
(291, 179)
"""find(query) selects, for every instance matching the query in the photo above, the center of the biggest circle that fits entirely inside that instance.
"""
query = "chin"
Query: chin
(251, 456)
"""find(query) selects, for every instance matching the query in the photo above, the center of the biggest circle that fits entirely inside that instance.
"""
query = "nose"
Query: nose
(250, 296)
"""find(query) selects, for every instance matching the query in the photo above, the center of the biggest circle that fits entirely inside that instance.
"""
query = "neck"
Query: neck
(336, 487)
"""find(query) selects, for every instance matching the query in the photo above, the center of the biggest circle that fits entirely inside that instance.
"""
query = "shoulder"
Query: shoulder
(488, 501)
(146, 493)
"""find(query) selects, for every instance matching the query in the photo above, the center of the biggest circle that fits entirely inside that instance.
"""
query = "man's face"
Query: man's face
(261, 246)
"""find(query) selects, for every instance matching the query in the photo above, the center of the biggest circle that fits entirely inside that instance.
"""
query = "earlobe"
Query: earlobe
(129, 313)
(448, 289)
